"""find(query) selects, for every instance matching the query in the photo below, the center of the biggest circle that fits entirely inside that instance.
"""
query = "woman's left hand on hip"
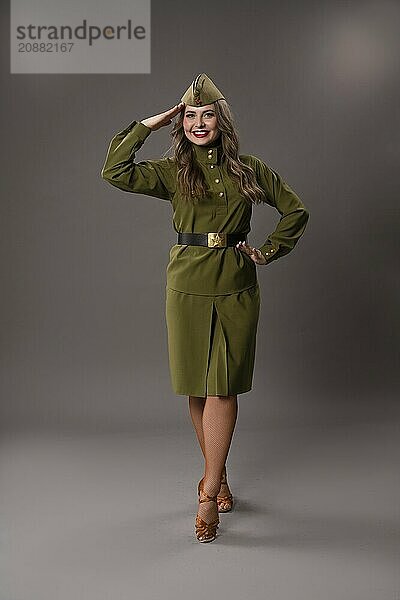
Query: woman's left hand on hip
(254, 253)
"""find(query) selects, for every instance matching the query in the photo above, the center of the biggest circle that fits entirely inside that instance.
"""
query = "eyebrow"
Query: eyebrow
(207, 110)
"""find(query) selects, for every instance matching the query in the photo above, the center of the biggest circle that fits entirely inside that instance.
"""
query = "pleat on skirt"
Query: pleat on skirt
(212, 341)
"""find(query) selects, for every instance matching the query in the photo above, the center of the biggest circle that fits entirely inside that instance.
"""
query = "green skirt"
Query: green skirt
(212, 341)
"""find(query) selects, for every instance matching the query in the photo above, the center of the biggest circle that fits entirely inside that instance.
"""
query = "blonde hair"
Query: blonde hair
(191, 180)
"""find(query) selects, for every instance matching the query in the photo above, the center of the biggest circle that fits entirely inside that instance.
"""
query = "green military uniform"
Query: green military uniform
(212, 294)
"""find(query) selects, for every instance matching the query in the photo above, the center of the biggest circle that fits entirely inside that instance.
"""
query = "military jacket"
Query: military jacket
(199, 269)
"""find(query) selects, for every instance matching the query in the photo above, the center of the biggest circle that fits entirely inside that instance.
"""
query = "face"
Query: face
(200, 124)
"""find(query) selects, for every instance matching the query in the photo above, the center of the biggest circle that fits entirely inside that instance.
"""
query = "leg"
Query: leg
(219, 419)
(196, 407)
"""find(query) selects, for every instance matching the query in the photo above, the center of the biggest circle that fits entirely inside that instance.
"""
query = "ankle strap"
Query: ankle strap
(207, 498)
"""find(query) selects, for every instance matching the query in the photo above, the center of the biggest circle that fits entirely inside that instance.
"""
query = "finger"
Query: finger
(244, 247)
(175, 109)
(257, 252)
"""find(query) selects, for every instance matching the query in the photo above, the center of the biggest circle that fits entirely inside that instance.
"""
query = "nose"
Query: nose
(199, 121)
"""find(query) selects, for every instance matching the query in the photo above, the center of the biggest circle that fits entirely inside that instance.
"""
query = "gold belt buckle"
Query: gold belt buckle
(216, 240)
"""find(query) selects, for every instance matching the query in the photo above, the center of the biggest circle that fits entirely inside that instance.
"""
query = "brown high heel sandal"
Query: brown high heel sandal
(225, 503)
(206, 532)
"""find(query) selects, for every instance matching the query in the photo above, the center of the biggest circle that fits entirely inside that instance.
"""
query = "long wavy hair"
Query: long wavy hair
(191, 180)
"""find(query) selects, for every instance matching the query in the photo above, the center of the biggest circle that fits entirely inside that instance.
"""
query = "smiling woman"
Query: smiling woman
(212, 293)
(200, 124)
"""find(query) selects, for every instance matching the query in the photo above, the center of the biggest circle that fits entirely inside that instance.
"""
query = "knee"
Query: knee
(231, 397)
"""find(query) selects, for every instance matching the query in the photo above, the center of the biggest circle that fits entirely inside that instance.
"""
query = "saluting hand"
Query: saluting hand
(164, 118)
(254, 253)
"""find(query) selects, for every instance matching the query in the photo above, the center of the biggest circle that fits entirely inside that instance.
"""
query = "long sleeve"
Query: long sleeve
(294, 215)
(149, 177)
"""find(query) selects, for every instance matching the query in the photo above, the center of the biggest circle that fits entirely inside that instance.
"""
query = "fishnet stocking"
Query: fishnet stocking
(196, 407)
(214, 419)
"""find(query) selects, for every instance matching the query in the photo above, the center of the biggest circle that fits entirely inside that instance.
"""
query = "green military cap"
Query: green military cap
(201, 91)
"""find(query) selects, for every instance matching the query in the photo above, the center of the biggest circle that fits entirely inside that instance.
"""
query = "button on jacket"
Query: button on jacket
(198, 269)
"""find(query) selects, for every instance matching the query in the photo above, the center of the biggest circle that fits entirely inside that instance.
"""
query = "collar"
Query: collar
(210, 154)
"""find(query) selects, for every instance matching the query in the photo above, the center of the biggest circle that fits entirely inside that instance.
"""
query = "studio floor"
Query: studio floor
(96, 516)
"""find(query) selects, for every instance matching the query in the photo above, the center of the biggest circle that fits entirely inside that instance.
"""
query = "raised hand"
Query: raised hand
(164, 118)
(254, 253)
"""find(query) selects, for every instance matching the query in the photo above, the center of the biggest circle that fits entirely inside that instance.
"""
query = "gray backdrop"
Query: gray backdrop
(99, 463)
(314, 87)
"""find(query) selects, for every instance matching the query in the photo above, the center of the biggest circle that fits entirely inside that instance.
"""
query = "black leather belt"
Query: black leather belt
(211, 240)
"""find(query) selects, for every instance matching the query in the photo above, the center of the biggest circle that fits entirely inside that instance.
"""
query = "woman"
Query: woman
(212, 292)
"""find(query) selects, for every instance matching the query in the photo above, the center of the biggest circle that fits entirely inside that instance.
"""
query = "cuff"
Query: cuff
(140, 130)
(269, 251)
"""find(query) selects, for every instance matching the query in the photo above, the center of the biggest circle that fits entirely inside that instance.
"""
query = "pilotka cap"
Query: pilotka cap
(201, 91)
